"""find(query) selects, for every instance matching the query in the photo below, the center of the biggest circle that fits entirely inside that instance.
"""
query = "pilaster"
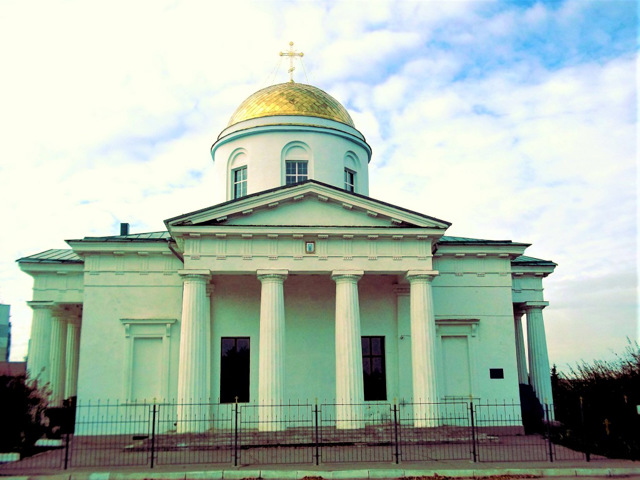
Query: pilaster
(272, 349)
(423, 349)
(349, 381)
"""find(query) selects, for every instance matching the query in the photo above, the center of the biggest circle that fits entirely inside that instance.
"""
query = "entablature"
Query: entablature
(233, 248)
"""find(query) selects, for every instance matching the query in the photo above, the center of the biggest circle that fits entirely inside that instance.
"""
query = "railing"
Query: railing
(108, 435)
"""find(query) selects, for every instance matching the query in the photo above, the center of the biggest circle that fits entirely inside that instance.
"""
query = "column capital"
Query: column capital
(202, 274)
(519, 310)
(351, 275)
(534, 305)
(428, 275)
(35, 304)
(274, 274)
(66, 311)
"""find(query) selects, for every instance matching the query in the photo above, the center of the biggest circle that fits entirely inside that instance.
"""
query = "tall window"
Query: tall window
(234, 370)
(375, 378)
(349, 180)
(239, 182)
(296, 171)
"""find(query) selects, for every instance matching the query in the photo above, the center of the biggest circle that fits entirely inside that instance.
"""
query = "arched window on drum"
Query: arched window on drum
(238, 174)
(296, 163)
(351, 168)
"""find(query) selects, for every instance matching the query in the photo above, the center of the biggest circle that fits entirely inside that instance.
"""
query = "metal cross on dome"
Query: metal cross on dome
(291, 53)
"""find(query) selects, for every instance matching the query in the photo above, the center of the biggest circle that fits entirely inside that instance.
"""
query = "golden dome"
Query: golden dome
(291, 99)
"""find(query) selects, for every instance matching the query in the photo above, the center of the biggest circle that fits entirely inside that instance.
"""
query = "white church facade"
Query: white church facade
(299, 286)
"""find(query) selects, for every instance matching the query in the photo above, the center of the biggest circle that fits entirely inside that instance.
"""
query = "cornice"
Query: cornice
(84, 247)
(417, 233)
(51, 268)
(357, 138)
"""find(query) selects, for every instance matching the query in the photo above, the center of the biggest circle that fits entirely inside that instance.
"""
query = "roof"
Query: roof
(524, 260)
(474, 241)
(291, 99)
(133, 237)
(54, 255)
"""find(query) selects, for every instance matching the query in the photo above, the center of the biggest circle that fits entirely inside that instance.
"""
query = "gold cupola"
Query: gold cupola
(291, 99)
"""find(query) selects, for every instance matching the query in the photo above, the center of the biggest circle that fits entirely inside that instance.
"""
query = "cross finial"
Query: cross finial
(291, 53)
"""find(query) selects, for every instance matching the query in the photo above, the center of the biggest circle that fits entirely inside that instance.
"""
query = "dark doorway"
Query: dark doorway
(234, 369)
(375, 379)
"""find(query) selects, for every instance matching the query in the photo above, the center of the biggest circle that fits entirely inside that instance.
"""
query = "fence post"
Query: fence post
(153, 434)
(235, 435)
(473, 432)
(585, 435)
(395, 429)
(550, 443)
(66, 451)
(317, 440)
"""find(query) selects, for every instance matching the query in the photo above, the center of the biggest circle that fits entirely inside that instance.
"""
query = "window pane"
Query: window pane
(366, 366)
(349, 180)
(375, 346)
(295, 171)
(239, 182)
(243, 344)
(376, 365)
(227, 345)
(365, 345)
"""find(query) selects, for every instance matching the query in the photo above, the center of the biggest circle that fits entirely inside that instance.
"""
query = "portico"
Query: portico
(56, 348)
(529, 303)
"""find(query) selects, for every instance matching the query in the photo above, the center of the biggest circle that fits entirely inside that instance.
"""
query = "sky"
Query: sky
(511, 119)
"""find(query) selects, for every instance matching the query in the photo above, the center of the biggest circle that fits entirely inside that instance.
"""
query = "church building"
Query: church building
(299, 286)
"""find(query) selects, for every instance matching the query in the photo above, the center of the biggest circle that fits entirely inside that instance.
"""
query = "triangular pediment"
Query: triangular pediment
(307, 204)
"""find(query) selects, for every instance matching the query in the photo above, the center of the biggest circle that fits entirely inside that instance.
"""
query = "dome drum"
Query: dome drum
(271, 120)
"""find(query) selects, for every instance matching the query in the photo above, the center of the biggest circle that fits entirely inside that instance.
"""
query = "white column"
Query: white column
(523, 377)
(423, 349)
(73, 355)
(540, 373)
(272, 346)
(210, 289)
(40, 345)
(57, 357)
(349, 381)
(194, 343)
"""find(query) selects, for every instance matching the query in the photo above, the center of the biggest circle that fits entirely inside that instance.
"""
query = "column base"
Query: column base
(271, 418)
(349, 417)
(426, 415)
(193, 418)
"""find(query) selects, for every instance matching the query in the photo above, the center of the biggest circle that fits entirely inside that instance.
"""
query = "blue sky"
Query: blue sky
(511, 120)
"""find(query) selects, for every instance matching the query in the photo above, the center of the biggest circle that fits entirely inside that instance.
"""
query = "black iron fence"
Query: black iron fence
(109, 435)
